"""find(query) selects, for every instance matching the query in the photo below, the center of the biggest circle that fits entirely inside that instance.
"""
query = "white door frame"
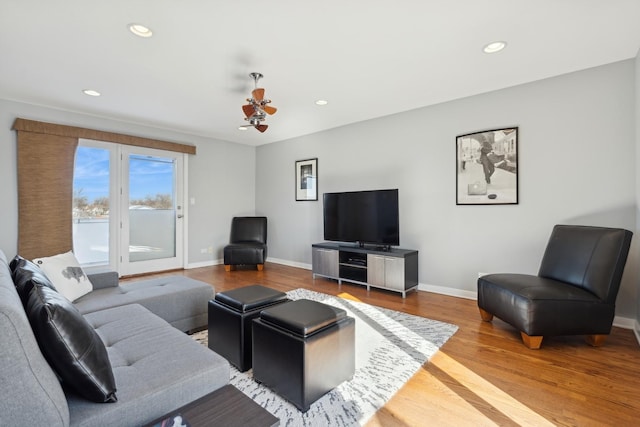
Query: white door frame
(125, 267)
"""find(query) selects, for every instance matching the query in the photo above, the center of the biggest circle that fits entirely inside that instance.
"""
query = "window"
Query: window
(93, 203)
(127, 207)
(45, 193)
(152, 208)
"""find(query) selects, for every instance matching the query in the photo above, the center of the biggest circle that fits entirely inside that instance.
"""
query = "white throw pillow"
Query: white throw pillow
(65, 273)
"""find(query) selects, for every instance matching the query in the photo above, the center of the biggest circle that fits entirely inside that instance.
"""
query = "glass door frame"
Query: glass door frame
(114, 204)
(126, 267)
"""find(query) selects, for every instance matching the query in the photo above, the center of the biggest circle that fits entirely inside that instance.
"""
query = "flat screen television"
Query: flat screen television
(363, 217)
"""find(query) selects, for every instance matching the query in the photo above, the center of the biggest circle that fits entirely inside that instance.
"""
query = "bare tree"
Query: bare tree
(157, 201)
(80, 201)
(100, 205)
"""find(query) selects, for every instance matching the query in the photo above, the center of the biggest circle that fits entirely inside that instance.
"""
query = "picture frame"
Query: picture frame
(307, 179)
(487, 167)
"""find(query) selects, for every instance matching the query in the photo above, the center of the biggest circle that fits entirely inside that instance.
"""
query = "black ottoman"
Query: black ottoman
(303, 349)
(230, 315)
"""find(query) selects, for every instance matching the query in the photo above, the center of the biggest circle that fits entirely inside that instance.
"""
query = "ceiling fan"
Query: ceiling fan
(257, 108)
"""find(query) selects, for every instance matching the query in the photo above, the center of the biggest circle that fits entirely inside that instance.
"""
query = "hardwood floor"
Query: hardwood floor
(484, 375)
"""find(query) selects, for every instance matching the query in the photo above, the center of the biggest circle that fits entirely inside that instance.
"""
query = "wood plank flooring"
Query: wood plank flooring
(484, 375)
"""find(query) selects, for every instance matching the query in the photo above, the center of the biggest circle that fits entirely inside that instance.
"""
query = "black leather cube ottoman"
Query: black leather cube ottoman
(303, 349)
(230, 316)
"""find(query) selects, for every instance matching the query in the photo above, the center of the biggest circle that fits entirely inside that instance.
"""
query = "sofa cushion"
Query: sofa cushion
(26, 275)
(179, 300)
(157, 369)
(65, 273)
(71, 345)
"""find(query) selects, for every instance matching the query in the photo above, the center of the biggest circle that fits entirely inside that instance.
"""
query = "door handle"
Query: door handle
(180, 215)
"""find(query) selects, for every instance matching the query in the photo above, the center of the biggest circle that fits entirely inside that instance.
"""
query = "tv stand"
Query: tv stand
(379, 267)
(376, 248)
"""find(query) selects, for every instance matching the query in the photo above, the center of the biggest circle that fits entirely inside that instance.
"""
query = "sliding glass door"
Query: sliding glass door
(95, 202)
(152, 210)
(128, 209)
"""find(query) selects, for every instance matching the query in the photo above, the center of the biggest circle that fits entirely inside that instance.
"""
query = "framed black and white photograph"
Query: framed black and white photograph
(307, 179)
(487, 167)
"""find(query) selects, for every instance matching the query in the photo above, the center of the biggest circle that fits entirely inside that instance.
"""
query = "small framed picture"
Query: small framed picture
(307, 179)
(487, 167)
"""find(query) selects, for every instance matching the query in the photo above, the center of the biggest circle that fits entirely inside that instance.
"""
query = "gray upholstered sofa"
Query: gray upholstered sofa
(156, 367)
(179, 300)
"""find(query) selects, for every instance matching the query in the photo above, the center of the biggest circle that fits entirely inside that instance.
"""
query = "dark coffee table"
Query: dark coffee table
(227, 407)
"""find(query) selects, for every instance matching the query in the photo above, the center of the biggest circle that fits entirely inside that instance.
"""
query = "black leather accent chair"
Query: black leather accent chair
(247, 243)
(574, 292)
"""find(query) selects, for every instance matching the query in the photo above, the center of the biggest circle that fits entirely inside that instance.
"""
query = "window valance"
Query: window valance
(98, 135)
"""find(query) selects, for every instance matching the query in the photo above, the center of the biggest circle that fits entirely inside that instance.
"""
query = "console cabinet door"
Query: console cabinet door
(325, 262)
(375, 270)
(394, 273)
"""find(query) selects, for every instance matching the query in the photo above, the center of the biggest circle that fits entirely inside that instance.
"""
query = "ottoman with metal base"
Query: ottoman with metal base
(303, 349)
(230, 316)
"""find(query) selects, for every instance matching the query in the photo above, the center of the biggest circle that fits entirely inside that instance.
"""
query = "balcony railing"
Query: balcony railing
(151, 236)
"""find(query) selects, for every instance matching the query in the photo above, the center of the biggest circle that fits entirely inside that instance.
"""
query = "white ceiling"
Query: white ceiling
(367, 58)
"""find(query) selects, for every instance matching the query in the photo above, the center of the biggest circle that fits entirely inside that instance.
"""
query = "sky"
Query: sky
(148, 176)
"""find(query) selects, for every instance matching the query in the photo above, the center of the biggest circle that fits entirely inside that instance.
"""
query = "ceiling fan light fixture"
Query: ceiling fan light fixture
(140, 30)
(91, 92)
(494, 47)
(257, 108)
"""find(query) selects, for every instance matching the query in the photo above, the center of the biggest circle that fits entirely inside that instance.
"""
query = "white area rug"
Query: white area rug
(390, 348)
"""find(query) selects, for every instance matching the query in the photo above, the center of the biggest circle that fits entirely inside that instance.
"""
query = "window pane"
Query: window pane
(152, 228)
(91, 206)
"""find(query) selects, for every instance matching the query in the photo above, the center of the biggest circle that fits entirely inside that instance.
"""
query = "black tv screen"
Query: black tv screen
(365, 217)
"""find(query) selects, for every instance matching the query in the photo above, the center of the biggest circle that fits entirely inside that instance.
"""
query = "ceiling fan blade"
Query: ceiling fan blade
(261, 128)
(269, 109)
(248, 110)
(258, 94)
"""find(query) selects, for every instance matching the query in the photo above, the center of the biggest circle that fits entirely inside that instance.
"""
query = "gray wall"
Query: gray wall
(637, 111)
(221, 177)
(576, 162)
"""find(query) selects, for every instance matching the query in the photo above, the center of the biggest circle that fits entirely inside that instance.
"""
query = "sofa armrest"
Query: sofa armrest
(107, 279)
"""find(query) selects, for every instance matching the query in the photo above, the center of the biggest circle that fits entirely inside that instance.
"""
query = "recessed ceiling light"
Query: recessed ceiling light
(91, 92)
(243, 127)
(140, 30)
(494, 47)
(322, 102)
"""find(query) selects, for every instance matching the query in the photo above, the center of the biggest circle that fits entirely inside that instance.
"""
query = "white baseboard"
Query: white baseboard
(273, 260)
(460, 293)
(624, 322)
(636, 331)
(290, 263)
(203, 264)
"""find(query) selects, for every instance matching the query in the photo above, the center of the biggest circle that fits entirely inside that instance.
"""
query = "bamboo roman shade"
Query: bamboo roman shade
(45, 194)
(46, 155)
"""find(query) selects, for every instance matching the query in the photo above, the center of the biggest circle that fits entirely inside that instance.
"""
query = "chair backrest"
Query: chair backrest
(592, 258)
(245, 229)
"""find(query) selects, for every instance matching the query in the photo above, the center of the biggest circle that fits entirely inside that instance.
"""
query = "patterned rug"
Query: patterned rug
(390, 348)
